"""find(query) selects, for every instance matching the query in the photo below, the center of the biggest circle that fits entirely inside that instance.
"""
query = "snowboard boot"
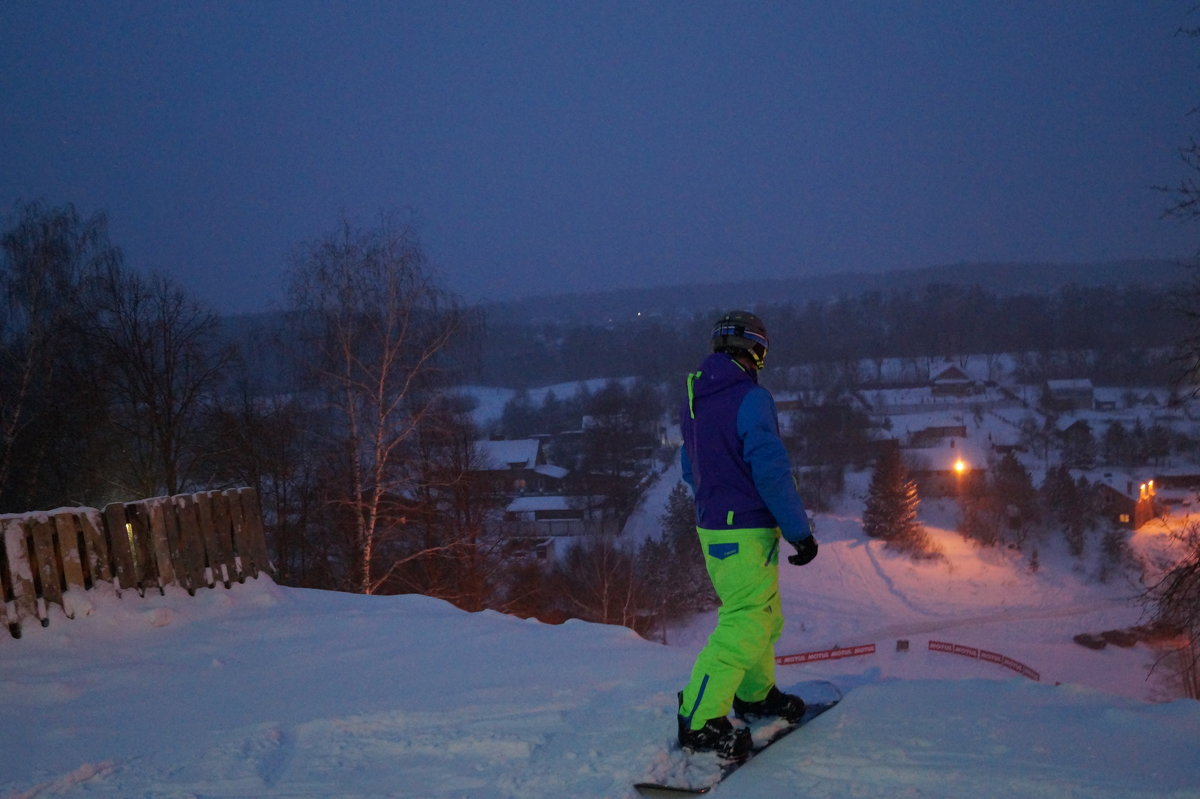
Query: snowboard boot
(788, 707)
(717, 735)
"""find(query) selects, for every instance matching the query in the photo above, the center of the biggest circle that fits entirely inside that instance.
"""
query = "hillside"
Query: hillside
(998, 278)
(270, 691)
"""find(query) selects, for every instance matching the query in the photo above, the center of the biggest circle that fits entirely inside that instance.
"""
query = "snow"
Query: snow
(263, 690)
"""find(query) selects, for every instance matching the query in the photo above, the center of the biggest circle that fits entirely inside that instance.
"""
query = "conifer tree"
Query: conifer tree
(670, 568)
(891, 507)
(1015, 497)
(679, 531)
(1064, 505)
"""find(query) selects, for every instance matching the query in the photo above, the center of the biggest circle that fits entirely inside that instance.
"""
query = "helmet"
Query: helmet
(741, 332)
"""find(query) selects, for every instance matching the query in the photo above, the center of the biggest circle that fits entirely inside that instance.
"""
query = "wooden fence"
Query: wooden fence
(190, 540)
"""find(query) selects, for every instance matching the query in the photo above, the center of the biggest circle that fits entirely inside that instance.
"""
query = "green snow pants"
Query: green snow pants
(739, 658)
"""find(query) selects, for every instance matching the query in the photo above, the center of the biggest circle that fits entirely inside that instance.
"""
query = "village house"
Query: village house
(952, 381)
(1068, 395)
(953, 467)
(510, 467)
(539, 506)
(1126, 504)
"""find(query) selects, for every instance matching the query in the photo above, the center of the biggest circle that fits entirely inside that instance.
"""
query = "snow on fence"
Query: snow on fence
(190, 540)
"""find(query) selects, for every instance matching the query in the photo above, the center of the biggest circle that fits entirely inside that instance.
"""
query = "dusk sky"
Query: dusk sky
(544, 147)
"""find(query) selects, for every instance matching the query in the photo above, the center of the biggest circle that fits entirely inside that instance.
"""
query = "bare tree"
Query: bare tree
(1175, 600)
(375, 333)
(261, 438)
(1185, 194)
(598, 583)
(160, 366)
(450, 550)
(45, 255)
(1185, 206)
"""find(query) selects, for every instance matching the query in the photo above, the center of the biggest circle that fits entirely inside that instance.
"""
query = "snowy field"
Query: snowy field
(281, 692)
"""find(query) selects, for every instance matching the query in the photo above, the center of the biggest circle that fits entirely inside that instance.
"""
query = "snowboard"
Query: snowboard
(698, 773)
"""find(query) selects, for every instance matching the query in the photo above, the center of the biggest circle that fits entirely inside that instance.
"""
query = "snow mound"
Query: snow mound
(268, 691)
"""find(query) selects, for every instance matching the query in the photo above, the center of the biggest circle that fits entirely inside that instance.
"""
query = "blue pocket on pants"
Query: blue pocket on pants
(722, 551)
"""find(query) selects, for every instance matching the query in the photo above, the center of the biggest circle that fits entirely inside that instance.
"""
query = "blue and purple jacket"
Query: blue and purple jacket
(733, 457)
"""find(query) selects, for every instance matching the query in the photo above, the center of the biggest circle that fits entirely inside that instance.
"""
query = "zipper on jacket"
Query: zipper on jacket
(692, 378)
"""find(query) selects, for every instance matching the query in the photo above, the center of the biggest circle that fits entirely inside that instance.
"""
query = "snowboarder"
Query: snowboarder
(746, 499)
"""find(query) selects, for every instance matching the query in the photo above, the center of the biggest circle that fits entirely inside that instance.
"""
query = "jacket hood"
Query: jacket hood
(716, 373)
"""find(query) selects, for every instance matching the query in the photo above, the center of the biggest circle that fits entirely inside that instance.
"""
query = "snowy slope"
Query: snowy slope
(269, 691)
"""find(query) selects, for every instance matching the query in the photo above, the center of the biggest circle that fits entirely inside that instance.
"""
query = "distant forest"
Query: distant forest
(1129, 334)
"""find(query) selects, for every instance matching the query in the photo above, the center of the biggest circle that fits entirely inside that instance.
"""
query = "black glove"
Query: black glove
(806, 550)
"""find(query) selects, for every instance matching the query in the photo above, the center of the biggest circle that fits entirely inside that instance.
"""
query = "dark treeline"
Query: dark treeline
(117, 386)
(1125, 329)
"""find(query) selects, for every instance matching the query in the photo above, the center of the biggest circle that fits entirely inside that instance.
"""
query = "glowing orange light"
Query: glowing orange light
(960, 466)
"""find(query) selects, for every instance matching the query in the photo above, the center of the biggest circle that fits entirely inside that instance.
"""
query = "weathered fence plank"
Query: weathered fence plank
(47, 577)
(218, 561)
(20, 570)
(255, 538)
(66, 527)
(119, 536)
(8, 612)
(164, 526)
(223, 529)
(151, 514)
(242, 551)
(191, 544)
(96, 546)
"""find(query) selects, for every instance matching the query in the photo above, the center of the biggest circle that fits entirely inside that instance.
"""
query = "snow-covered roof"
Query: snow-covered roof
(552, 471)
(529, 504)
(1124, 483)
(499, 455)
(951, 374)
